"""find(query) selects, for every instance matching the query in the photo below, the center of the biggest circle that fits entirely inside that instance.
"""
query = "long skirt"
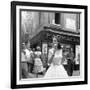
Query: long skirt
(56, 71)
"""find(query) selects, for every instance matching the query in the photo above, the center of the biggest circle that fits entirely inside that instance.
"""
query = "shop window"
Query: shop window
(70, 21)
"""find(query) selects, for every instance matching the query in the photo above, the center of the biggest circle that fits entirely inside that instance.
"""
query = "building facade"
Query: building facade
(39, 27)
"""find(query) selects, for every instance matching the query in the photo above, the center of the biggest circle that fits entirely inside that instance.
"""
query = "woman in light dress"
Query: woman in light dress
(55, 60)
(38, 65)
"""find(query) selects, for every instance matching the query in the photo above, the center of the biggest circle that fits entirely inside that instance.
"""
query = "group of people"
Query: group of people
(34, 63)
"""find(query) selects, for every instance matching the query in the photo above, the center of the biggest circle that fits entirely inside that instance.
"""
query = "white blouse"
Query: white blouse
(57, 59)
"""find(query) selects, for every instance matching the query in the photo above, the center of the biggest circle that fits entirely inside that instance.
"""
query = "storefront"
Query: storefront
(67, 39)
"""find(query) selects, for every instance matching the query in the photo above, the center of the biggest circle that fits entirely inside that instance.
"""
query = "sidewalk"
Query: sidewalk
(75, 73)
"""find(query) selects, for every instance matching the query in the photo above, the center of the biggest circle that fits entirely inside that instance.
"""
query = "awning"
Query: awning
(46, 34)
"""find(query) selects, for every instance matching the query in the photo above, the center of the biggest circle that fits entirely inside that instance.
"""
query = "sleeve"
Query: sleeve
(50, 54)
(22, 57)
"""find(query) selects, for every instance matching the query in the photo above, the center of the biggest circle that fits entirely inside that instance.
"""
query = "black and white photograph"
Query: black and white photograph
(50, 44)
(61, 31)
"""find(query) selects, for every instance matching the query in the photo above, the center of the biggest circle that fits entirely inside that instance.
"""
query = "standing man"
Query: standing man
(24, 67)
(70, 62)
(29, 56)
(24, 64)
